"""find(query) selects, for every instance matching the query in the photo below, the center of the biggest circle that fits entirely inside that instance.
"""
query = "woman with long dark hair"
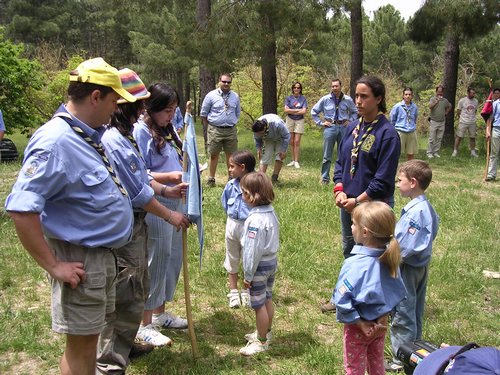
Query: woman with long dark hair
(367, 160)
(161, 149)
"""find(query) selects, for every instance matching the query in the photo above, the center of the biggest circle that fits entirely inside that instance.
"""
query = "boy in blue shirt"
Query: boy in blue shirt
(415, 231)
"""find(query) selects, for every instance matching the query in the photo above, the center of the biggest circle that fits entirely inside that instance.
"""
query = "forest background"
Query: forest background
(266, 44)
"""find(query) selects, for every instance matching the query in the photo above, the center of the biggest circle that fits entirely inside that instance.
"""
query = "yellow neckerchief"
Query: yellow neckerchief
(356, 145)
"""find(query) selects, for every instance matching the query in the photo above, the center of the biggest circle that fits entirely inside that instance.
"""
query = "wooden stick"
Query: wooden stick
(488, 141)
(185, 272)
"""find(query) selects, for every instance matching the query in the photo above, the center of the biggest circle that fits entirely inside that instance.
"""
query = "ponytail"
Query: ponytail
(391, 257)
(377, 217)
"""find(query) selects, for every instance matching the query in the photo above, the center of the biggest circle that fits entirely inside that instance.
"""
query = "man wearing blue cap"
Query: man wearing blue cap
(70, 211)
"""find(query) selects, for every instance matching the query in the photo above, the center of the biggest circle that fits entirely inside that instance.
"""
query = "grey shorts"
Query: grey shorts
(263, 282)
(82, 311)
(219, 139)
(464, 127)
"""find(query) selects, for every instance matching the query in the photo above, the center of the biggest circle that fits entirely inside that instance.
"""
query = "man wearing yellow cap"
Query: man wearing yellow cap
(70, 210)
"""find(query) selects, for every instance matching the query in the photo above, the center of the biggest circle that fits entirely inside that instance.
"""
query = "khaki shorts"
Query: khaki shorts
(272, 149)
(82, 311)
(295, 126)
(234, 232)
(409, 143)
(464, 127)
(219, 139)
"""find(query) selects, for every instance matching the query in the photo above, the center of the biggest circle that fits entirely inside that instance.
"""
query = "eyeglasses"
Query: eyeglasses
(297, 88)
(228, 82)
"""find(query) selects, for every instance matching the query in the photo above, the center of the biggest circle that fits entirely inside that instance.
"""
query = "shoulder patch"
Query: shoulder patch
(252, 232)
(30, 170)
(345, 287)
(414, 227)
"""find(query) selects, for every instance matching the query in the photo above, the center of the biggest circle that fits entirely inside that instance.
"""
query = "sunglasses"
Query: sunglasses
(296, 88)
(228, 82)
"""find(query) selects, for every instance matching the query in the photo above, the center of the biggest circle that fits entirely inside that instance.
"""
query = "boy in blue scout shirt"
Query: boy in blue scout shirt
(415, 231)
(70, 210)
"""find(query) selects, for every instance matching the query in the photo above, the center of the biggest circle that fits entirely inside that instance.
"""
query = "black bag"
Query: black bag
(8, 150)
(412, 353)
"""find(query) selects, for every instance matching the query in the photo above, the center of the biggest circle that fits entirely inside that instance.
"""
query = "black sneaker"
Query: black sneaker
(211, 181)
(328, 308)
(140, 348)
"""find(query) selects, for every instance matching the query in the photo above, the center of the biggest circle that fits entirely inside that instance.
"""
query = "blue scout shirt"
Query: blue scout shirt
(415, 231)
(346, 111)
(166, 161)
(365, 289)
(261, 239)
(296, 102)
(495, 122)
(178, 120)
(232, 201)
(65, 180)
(277, 131)
(130, 167)
(404, 117)
(377, 161)
(221, 109)
(2, 124)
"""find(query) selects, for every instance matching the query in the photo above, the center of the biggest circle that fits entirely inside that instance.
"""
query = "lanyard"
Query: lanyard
(356, 145)
(134, 143)
(407, 110)
(98, 147)
(168, 137)
(266, 132)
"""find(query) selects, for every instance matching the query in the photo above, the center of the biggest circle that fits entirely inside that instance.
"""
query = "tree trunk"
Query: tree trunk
(357, 44)
(179, 82)
(207, 79)
(268, 66)
(451, 55)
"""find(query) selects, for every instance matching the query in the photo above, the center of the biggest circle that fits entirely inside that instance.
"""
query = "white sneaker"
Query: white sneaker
(254, 337)
(455, 153)
(254, 347)
(430, 156)
(151, 335)
(473, 153)
(234, 299)
(436, 155)
(245, 298)
(167, 320)
(297, 165)
(291, 164)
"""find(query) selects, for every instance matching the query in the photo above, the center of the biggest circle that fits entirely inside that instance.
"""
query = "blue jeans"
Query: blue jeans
(407, 321)
(331, 135)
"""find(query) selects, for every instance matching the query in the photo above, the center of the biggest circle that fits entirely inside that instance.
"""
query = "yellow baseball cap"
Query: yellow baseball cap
(99, 72)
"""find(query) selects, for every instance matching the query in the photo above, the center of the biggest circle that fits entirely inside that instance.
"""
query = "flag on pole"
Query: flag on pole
(488, 107)
(193, 206)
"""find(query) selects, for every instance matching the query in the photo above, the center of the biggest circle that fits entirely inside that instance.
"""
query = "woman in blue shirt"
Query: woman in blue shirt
(161, 149)
(116, 341)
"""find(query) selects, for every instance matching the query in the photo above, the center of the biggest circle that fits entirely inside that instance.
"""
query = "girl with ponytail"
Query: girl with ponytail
(369, 287)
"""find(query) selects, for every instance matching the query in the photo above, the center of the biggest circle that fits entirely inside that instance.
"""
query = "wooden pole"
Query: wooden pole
(185, 272)
(488, 141)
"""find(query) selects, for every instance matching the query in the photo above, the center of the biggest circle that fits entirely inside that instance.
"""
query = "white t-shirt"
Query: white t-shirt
(468, 109)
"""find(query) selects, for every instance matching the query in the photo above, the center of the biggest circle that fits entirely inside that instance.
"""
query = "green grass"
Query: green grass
(462, 305)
